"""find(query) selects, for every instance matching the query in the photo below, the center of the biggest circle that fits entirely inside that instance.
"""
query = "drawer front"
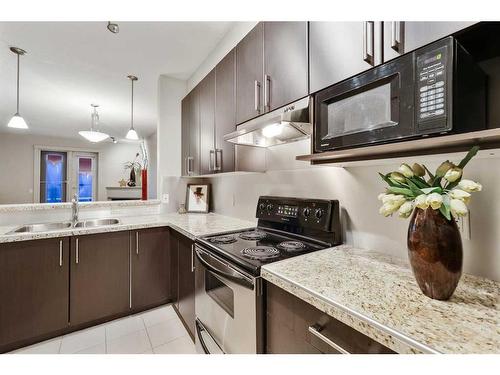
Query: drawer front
(296, 327)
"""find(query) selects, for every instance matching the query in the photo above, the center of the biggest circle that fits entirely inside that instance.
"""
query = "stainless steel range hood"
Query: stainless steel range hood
(287, 124)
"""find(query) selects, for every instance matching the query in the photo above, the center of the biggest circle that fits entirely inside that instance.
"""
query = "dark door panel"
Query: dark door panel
(34, 281)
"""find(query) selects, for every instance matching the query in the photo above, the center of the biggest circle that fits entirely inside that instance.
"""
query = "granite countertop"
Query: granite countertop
(378, 296)
(191, 225)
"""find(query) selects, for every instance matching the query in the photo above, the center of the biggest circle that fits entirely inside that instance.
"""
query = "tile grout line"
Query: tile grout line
(60, 345)
(147, 334)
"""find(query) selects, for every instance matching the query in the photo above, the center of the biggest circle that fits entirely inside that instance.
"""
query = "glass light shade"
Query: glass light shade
(93, 136)
(17, 122)
(132, 134)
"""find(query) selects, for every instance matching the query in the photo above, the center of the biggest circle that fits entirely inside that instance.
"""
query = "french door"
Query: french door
(85, 178)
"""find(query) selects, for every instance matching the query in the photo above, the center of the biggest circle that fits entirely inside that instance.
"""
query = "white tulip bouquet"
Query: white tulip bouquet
(445, 190)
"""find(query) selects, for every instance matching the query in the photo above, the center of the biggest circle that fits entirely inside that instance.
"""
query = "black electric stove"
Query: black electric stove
(287, 227)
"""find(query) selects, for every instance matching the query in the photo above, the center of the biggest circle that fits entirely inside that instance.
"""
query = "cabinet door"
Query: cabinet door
(150, 272)
(338, 50)
(186, 283)
(99, 276)
(185, 140)
(225, 114)
(249, 74)
(401, 37)
(285, 63)
(174, 268)
(194, 132)
(34, 282)
(207, 123)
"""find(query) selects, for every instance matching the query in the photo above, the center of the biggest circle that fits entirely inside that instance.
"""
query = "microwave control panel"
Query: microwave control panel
(432, 85)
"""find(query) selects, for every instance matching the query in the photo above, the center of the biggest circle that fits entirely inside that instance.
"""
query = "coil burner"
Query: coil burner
(260, 252)
(223, 240)
(254, 235)
(291, 245)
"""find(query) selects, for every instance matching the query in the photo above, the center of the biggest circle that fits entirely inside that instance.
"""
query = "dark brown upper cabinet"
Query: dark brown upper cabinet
(34, 282)
(100, 283)
(150, 267)
(207, 123)
(190, 134)
(271, 68)
(339, 50)
(285, 63)
(249, 75)
(225, 115)
(404, 36)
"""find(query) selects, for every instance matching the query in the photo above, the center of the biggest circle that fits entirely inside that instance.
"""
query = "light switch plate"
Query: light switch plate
(165, 198)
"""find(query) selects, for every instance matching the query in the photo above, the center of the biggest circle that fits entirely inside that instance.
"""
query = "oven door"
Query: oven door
(226, 306)
(373, 107)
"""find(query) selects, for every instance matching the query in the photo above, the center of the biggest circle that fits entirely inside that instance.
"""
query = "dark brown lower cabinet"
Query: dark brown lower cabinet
(185, 281)
(150, 267)
(99, 277)
(34, 282)
(296, 327)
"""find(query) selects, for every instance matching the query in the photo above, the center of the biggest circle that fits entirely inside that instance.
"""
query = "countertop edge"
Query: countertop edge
(291, 286)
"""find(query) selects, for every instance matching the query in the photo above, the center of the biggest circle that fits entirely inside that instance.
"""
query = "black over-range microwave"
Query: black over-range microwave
(434, 90)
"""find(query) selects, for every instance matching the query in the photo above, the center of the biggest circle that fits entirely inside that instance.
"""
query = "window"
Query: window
(53, 177)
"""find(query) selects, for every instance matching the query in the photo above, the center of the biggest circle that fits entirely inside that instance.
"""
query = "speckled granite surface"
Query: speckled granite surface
(379, 297)
(191, 225)
(83, 205)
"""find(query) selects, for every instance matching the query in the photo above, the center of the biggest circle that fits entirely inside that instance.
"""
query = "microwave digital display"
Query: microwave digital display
(289, 211)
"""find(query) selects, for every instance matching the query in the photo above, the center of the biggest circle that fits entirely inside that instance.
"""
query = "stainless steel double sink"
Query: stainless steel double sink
(35, 228)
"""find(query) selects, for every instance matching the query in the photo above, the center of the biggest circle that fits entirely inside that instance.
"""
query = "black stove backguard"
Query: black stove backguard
(312, 218)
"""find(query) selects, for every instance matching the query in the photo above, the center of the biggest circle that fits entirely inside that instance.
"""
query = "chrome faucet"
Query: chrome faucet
(74, 209)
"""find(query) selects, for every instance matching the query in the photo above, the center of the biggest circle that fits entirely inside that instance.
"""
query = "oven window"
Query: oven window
(365, 111)
(219, 292)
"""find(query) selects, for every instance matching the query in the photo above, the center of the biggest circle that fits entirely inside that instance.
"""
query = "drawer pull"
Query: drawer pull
(316, 331)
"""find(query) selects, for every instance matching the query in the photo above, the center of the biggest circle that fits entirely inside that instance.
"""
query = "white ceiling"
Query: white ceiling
(70, 65)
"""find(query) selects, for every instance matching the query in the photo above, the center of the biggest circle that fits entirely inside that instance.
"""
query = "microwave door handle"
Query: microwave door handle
(225, 271)
(369, 44)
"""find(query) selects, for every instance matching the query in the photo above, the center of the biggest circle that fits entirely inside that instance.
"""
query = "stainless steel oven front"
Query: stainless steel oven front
(228, 305)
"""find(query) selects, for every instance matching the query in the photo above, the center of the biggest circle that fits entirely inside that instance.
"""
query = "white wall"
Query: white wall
(17, 156)
(170, 93)
(152, 146)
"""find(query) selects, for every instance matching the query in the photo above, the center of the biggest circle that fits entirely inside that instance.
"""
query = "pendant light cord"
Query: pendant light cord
(132, 109)
(17, 84)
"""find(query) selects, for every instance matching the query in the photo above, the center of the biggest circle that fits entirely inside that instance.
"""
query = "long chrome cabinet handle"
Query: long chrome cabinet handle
(267, 92)
(218, 167)
(137, 243)
(60, 253)
(397, 28)
(76, 251)
(186, 165)
(257, 96)
(369, 58)
(211, 161)
(130, 277)
(189, 164)
(192, 258)
(316, 331)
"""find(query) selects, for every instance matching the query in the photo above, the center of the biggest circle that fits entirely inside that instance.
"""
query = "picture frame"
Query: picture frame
(198, 198)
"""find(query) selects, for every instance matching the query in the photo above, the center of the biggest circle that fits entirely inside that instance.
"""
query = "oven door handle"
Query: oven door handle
(200, 328)
(219, 267)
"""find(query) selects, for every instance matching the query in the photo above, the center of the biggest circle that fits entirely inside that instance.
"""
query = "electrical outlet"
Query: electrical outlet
(165, 198)
(464, 226)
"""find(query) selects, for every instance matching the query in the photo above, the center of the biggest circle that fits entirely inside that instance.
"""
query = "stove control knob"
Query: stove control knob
(306, 212)
(319, 213)
(262, 206)
(269, 207)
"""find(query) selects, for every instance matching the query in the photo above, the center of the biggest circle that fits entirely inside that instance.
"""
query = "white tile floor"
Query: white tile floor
(157, 331)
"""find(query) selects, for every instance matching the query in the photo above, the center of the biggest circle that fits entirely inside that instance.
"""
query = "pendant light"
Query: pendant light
(17, 121)
(93, 135)
(132, 134)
